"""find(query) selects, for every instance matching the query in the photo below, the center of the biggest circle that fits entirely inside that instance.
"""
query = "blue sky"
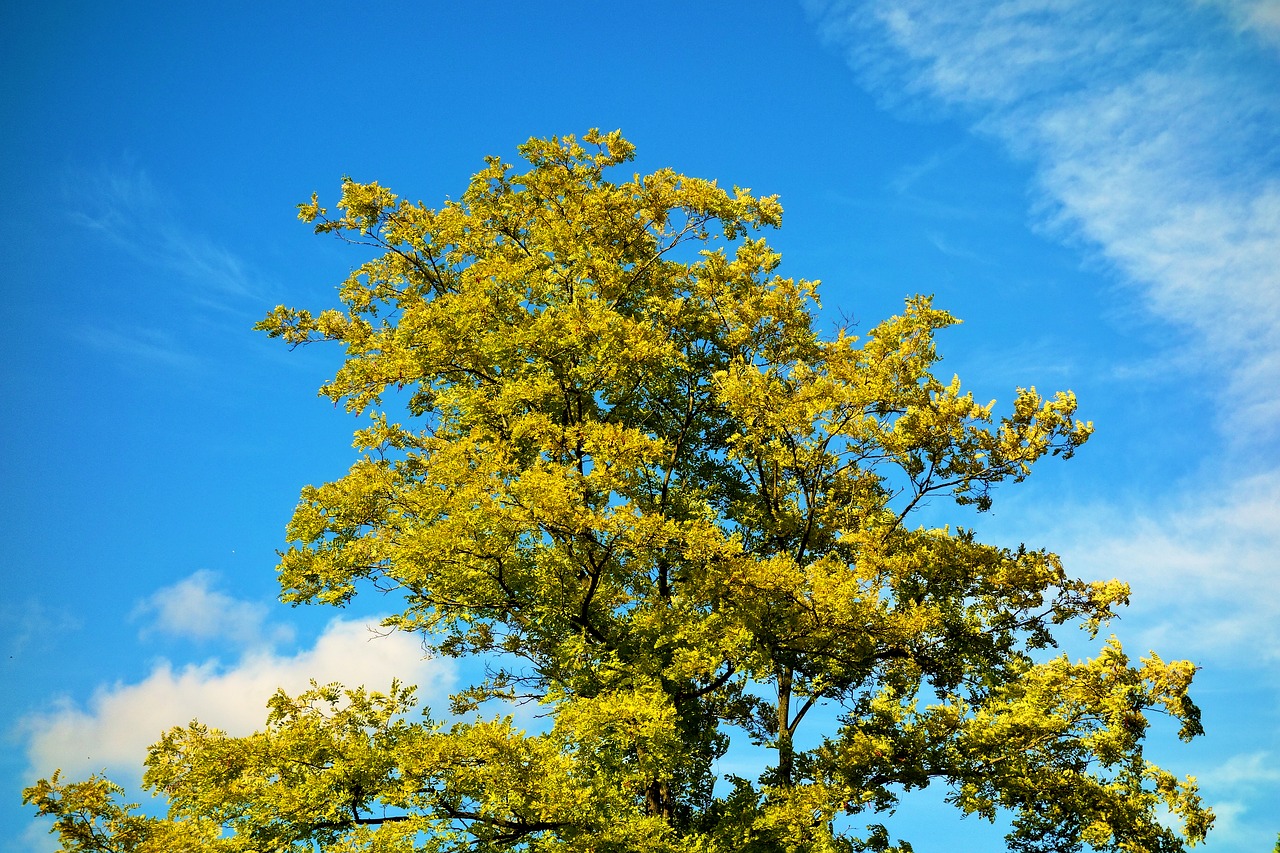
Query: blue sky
(1093, 186)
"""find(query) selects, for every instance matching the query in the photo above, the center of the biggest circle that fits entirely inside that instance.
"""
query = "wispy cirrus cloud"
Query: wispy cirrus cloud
(187, 273)
(1154, 133)
(138, 343)
(125, 208)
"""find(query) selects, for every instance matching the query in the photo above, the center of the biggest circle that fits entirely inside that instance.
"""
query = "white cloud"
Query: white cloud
(1204, 567)
(115, 727)
(1153, 130)
(192, 609)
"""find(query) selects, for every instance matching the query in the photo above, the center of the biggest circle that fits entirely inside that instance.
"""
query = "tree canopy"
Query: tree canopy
(629, 474)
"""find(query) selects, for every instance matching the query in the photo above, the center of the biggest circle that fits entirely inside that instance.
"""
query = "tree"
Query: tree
(631, 476)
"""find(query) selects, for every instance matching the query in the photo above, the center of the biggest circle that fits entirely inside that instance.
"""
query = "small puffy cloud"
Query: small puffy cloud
(115, 727)
(1242, 772)
(193, 609)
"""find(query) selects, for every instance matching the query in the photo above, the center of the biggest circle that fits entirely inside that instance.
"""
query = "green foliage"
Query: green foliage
(639, 483)
(87, 817)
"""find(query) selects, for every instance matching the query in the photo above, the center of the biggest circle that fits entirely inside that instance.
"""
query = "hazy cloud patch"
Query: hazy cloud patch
(1261, 17)
(1237, 789)
(27, 625)
(1243, 771)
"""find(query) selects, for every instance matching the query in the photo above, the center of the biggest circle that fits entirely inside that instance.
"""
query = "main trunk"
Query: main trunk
(786, 754)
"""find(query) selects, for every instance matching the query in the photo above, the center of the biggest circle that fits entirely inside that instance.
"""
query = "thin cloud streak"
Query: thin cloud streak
(1151, 144)
(139, 344)
(127, 210)
(185, 274)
